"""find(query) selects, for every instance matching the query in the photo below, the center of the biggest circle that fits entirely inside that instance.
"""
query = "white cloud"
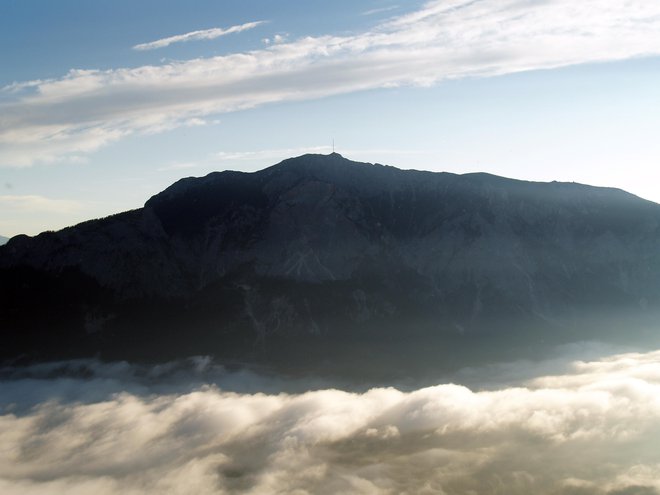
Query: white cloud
(256, 159)
(276, 39)
(592, 430)
(36, 203)
(380, 10)
(268, 155)
(178, 166)
(43, 121)
(33, 213)
(205, 34)
(280, 38)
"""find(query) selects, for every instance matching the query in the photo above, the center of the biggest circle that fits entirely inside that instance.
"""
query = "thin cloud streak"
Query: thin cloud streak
(380, 10)
(266, 157)
(36, 203)
(254, 160)
(178, 166)
(269, 155)
(34, 213)
(205, 34)
(46, 121)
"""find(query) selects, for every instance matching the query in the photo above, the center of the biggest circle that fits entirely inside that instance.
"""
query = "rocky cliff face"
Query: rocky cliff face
(319, 252)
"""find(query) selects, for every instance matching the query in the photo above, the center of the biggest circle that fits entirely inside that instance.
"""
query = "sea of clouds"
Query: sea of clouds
(566, 426)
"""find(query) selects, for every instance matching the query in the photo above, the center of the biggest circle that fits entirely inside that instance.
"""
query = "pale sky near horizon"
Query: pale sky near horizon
(105, 103)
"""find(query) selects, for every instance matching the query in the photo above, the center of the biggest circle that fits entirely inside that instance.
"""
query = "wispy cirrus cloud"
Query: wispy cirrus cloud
(178, 166)
(204, 34)
(45, 120)
(37, 203)
(268, 155)
(380, 10)
(34, 213)
(253, 160)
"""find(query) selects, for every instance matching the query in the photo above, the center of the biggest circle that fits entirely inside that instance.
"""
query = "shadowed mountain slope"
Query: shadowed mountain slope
(323, 260)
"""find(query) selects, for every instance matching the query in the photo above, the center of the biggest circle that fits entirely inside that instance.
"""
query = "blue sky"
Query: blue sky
(105, 103)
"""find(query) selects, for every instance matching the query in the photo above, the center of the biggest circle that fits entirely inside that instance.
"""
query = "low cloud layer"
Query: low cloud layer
(48, 120)
(591, 430)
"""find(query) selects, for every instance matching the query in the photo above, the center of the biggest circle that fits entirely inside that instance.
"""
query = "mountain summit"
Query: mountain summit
(322, 259)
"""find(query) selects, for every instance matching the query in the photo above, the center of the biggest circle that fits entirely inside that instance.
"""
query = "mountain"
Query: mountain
(323, 261)
(3, 240)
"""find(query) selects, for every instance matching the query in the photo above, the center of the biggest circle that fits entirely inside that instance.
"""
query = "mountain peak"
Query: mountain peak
(320, 251)
(315, 160)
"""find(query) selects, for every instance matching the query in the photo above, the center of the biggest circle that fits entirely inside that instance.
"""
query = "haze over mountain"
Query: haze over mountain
(3, 240)
(322, 261)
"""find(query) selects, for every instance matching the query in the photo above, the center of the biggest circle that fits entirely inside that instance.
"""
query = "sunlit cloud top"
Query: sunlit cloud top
(591, 430)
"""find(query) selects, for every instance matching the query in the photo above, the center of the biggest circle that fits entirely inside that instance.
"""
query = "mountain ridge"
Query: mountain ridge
(319, 251)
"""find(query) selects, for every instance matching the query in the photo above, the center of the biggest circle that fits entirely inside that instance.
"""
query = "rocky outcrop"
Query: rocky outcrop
(319, 252)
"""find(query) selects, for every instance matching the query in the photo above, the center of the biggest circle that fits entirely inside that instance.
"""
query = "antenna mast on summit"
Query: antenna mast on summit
(333, 145)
